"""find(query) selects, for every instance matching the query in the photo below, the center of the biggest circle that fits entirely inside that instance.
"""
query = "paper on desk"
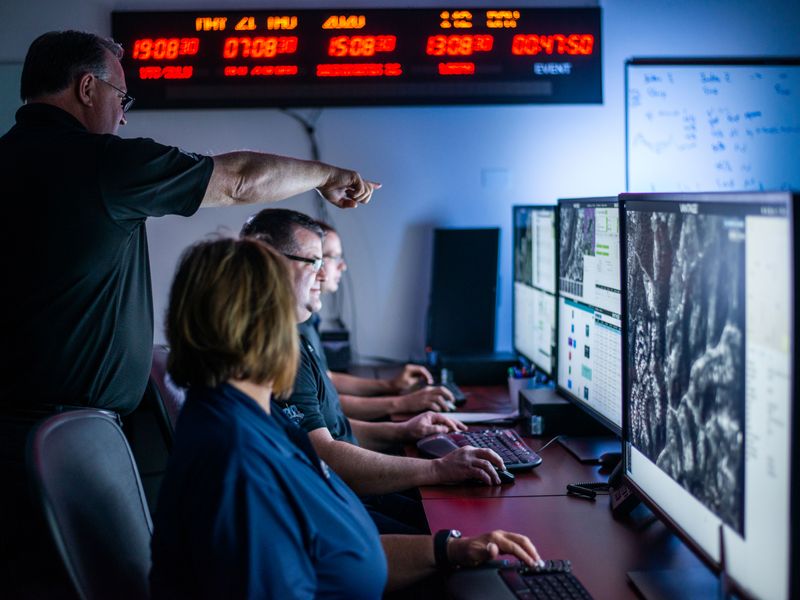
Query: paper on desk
(484, 417)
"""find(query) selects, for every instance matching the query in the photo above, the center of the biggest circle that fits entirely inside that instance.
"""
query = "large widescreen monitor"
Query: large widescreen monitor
(589, 327)
(709, 305)
(535, 285)
(701, 125)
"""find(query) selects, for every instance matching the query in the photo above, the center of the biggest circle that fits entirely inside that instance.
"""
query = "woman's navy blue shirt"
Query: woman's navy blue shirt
(248, 510)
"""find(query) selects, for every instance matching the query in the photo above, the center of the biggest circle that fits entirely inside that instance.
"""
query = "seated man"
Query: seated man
(350, 446)
(364, 398)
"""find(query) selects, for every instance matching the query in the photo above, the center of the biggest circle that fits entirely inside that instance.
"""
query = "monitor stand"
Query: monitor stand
(697, 583)
(589, 449)
(692, 583)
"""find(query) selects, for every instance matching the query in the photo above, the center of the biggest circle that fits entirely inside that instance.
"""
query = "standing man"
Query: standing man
(77, 314)
(361, 397)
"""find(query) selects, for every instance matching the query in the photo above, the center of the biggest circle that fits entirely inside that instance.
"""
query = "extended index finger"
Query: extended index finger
(362, 191)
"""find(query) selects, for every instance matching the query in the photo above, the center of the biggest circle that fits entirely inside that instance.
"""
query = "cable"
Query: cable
(310, 127)
(547, 444)
(309, 124)
(353, 329)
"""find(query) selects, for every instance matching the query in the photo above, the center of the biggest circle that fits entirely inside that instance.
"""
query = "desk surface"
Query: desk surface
(558, 468)
(602, 549)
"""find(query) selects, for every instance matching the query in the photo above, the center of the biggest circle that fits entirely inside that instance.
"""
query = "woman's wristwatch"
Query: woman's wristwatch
(440, 541)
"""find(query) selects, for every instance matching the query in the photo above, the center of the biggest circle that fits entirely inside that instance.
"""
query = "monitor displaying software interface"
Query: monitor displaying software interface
(589, 326)
(535, 285)
(709, 293)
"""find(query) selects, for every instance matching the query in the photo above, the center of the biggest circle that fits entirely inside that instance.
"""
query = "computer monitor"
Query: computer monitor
(535, 285)
(589, 325)
(709, 378)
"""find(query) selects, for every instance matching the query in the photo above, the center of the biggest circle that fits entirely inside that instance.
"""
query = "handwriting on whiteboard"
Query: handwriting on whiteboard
(705, 127)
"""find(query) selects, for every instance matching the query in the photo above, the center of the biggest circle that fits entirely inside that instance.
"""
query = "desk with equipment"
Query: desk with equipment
(704, 410)
(602, 549)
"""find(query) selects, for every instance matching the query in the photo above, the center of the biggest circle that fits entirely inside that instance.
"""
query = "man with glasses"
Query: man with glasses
(362, 397)
(77, 316)
(353, 448)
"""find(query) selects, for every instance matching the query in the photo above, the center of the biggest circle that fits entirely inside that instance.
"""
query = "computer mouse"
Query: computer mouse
(609, 459)
(505, 476)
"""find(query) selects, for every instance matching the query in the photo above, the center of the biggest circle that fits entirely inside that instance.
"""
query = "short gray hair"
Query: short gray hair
(57, 58)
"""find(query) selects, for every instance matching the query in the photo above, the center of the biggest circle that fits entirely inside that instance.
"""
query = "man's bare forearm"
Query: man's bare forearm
(369, 408)
(378, 436)
(368, 472)
(248, 177)
(360, 386)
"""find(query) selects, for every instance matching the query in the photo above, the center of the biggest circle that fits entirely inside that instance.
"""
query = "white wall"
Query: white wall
(431, 160)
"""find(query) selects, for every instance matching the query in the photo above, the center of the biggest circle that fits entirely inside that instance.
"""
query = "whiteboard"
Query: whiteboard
(700, 126)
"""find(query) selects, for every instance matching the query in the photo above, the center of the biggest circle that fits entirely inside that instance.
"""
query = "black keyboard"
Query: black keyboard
(515, 453)
(553, 581)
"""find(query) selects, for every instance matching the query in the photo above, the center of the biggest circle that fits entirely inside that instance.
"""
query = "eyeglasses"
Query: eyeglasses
(336, 259)
(126, 100)
(316, 263)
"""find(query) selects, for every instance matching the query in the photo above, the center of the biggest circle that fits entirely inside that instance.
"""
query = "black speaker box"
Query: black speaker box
(461, 312)
(478, 369)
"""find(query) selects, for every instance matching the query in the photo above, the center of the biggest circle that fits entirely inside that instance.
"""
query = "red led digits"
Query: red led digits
(458, 45)
(171, 72)
(258, 47)
(277, 70)
(457, 68)
(360, 70)
(361, 45)
(351, 57)
(575, 44)
(164, 48)
(260, 71)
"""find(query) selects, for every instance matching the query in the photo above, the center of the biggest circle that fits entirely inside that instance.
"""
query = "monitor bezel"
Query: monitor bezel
(562, 391)
(794, 458)
(553, 208)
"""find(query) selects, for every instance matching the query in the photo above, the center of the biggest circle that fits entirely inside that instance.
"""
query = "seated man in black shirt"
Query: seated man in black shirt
(352, 447)
(362, 397)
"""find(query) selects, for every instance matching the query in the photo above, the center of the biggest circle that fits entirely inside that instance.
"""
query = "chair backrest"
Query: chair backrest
(83, 473)
(172, 396)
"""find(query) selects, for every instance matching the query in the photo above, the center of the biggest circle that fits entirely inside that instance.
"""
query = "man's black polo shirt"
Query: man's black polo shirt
(314, 402)
(77, 312)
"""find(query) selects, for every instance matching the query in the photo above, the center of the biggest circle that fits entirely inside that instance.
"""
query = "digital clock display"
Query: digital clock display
(361, 57)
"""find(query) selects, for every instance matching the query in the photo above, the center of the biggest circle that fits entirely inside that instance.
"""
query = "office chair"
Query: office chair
(83, 474)
(172, 396)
